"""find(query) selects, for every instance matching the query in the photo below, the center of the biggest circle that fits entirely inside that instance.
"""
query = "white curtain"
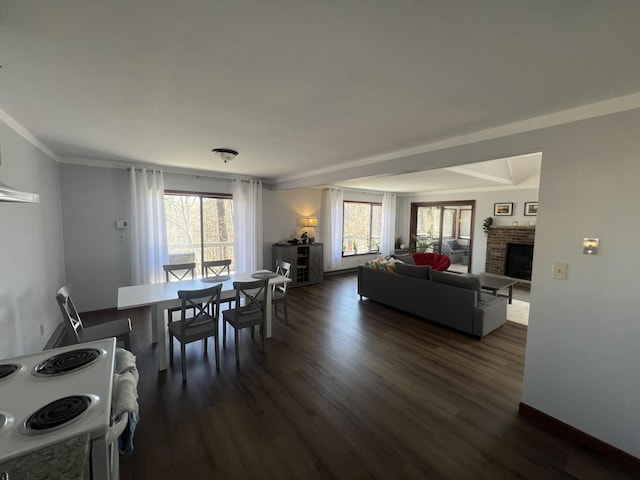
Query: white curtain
(148, 227)
(387, 237)
(247, 222)
(332, 227)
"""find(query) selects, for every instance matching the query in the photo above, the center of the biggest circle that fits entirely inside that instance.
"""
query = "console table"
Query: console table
(306, 259)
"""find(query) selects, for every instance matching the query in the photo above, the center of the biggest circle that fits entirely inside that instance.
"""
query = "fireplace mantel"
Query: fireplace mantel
(497, 240)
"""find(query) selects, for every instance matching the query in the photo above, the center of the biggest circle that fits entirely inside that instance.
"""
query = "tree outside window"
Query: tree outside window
(362, 227)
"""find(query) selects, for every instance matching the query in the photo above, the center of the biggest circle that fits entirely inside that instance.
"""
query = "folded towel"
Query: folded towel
(125, 360)
(125, 397)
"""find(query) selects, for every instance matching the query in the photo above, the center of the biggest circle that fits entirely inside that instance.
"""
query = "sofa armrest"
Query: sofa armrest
(489, 316)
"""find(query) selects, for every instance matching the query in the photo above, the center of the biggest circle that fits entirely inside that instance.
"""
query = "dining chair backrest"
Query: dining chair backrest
(216, 268)
(179, 271)
(282, 268)
(69, 312)
(206, 309)
(254, 294)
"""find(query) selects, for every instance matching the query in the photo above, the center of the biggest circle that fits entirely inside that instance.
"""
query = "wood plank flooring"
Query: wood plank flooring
(349, 389)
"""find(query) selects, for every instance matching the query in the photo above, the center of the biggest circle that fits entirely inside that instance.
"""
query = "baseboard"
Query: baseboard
(340, 272)
(552, 425)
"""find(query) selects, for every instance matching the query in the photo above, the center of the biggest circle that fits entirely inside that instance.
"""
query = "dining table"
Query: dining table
(164, 295)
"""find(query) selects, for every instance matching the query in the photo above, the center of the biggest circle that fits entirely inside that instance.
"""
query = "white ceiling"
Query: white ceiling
(304, 86)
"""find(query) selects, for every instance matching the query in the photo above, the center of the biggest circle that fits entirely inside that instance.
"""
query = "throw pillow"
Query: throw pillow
(418, 271)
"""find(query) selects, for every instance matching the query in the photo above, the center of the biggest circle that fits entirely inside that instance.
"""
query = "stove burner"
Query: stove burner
(67, 362)
(6, 369)
(57, 413)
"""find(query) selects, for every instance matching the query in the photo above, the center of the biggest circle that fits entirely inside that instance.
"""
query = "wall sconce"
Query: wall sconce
(590, 246)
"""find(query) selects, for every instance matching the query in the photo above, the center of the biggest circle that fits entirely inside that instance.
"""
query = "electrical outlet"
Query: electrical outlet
(559, 271)
(121, 235)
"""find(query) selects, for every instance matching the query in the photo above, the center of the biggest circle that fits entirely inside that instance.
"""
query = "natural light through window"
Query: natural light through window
(362, 227)
(199, 228)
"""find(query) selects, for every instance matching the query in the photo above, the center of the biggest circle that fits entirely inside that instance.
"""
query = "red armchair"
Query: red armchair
(437, 261)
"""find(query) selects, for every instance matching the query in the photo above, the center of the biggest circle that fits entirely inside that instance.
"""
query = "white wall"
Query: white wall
(484, 208)
(583, 353)
(31, 252)
(97, 262)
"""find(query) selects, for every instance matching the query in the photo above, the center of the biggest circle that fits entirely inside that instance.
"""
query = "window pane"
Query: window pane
(183, 227)
(361, 227)
(189, 236)
(217, 229)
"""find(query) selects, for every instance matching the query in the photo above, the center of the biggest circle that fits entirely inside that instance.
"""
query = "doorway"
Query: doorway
(444, 227)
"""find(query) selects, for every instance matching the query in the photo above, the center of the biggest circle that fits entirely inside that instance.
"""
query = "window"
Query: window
(361, 228)
(199, 227)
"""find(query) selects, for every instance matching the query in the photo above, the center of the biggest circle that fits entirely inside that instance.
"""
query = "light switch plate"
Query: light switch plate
(559, 271)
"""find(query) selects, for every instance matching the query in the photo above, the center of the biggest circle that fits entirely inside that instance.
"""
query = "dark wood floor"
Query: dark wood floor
(349, 389)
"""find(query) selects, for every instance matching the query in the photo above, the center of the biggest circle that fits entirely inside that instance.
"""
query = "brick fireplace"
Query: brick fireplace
(498, 240)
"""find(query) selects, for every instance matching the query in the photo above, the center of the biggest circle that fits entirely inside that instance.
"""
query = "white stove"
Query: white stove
(55, 395)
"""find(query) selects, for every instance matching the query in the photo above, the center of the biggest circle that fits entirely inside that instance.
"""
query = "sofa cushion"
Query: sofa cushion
(461, 281)
(418, 271)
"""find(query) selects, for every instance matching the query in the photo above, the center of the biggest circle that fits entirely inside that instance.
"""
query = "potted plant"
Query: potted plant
(486, 225)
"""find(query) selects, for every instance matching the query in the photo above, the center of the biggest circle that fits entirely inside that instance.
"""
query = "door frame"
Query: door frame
(442, 204)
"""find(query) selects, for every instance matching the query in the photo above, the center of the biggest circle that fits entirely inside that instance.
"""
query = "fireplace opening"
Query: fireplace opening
(519, 261)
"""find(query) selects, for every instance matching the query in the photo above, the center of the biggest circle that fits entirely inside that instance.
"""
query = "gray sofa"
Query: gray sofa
(441, 297)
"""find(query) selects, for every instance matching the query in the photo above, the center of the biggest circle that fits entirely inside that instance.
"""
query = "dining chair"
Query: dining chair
(250, 314)
(217, 268)
(202, 325)
(176, 272)
(279, 292)
(120, 328)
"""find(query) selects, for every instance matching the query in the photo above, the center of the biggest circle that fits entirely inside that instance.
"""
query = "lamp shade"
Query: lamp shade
(308, 221)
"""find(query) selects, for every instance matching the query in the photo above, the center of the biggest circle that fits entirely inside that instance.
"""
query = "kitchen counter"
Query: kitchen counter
(62, 461)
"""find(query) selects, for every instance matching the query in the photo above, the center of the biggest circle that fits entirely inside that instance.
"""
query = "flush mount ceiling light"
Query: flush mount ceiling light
(225, 154)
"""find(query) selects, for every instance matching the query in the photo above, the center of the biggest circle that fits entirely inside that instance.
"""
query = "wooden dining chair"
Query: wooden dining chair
(120, 328)
(175, 272)
(279, 290)
(200, 326)
(251, 314)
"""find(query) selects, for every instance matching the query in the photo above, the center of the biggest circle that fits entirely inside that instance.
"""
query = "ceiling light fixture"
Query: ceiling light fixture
(225, 154)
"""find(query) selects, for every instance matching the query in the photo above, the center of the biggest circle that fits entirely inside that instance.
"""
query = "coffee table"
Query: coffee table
(493, 283)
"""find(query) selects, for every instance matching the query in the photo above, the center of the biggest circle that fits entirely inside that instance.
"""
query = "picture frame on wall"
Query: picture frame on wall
(502, 209)
(530, 209)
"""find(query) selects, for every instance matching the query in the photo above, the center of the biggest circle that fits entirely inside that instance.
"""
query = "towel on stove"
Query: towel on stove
(125, 397)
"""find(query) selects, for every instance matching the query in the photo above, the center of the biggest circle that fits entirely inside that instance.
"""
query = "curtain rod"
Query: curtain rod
(194, 175)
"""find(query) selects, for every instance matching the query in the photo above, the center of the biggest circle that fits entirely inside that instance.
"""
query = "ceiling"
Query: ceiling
(299, 87)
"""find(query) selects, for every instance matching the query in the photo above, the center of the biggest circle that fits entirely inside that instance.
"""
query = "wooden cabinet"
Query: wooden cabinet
(306, 262)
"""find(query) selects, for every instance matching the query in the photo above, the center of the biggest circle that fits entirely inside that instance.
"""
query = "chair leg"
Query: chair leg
(170, 349)
(224, 334)
(215, 339)
(206, 344)
(235, 331)
(183, 361)
(286, 313)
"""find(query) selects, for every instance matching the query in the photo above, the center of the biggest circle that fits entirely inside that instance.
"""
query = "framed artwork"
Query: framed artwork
(530, 209)
(502, 209)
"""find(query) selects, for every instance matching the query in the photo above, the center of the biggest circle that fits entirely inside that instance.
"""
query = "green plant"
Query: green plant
(486, 225)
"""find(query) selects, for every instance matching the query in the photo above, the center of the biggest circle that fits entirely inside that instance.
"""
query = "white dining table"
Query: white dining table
(164, 295)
